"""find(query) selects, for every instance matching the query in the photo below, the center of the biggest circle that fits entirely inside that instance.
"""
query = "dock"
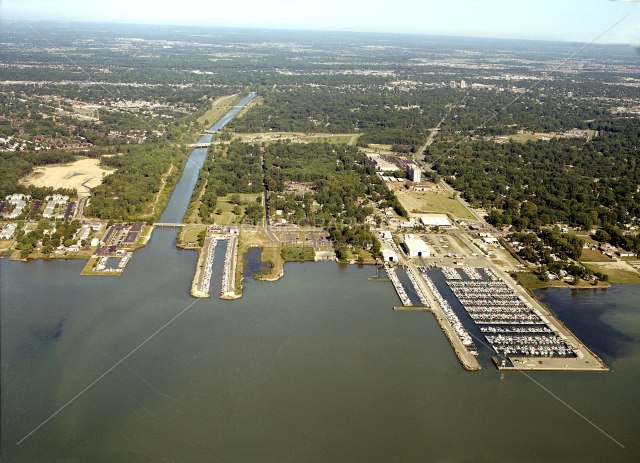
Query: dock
(202, 278)
(460, 340)
(402, 294)
(228, 290)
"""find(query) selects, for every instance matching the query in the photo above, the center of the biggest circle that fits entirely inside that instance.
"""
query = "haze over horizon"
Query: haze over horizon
(570, 20)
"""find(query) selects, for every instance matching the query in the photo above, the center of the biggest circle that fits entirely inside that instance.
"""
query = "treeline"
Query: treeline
(379, 115)
(529, 185)
(128, 194)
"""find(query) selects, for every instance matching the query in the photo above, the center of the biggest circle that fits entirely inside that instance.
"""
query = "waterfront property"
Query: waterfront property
(516, 329)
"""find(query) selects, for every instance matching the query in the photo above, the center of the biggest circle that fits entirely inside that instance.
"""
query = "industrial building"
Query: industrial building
(389, 255)
(436, 220)
(414, 173)
(415, 247)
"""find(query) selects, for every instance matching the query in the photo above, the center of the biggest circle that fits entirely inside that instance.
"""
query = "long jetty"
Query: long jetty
(202, 278)
(402, 294)
(229, 276)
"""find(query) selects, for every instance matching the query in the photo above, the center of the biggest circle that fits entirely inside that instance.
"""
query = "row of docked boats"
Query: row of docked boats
(228, 274)
(418, 289)
(450, 315)
(511, 327)
(208, 266)
(402, 294)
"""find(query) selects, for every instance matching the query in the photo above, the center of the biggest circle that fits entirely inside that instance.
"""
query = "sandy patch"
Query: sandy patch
(81, 175)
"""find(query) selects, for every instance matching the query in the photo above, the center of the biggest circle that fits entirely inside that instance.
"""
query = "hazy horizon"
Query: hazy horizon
(599, 21)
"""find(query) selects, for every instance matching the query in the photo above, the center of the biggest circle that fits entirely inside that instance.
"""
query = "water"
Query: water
(179, 201)
(315, 367)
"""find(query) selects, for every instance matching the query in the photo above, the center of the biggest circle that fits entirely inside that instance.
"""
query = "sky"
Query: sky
(566, 20)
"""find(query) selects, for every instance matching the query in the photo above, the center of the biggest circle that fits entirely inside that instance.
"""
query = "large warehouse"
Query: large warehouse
(415, 247)
(435, 220)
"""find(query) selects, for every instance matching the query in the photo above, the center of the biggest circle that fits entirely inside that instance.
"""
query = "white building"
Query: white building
(19, 201)
(463, 84)
(436, 220)
(415, 175)
(389, 255)
(415, 247)
(52, 202)
(490, 239)
(7, 231)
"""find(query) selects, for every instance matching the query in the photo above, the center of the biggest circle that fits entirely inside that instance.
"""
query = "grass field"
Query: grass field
(226, 215)
(299, 137)
(589, 255)
(189, 234)
(218, 109)
(619, 272)
(530, 281)
(422, 203)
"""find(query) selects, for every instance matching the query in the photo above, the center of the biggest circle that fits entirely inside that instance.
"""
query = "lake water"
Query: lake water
(315, 367)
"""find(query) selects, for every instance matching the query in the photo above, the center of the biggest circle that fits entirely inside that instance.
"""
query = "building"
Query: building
(19, 202)
(490, 239)
(415, 247)
(414, 173)
(380, 164)
(463, 84)
(53, 202)
(7, 231)
(452, 84)
(436, 220)
(389, 255)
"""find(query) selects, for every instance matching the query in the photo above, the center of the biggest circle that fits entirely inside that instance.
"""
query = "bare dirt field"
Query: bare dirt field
(82, 175)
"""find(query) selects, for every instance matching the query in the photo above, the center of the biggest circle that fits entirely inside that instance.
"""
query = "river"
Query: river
(315, 367)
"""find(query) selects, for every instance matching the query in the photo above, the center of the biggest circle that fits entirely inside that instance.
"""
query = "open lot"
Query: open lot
(82, 175)
(416, 202)
(224, 209)
(592, 255)
(619, 271)
(298, 137)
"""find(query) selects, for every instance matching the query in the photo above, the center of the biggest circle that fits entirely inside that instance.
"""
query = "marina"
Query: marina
(402, 294)
(520, 335)
(450, 315)
(228, 290)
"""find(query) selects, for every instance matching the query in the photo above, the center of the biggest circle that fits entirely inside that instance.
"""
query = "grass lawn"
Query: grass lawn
(617, 273)
(424, 203)
(297, 254)
(299, 137)
(189, 234)
(226, 215)
(589, 255)
(218, 109)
